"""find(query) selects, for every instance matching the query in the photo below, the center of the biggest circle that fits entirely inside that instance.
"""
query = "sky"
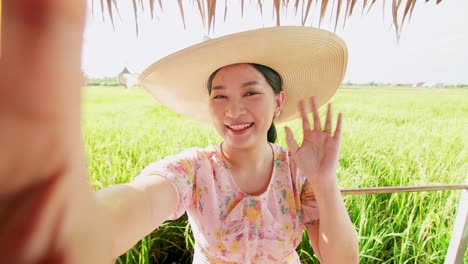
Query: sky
(432, 46)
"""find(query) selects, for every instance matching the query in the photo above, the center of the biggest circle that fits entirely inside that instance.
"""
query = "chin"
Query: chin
(238, 144)
(241, 142)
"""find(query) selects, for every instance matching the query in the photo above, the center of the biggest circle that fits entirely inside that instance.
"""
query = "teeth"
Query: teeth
(239, 127)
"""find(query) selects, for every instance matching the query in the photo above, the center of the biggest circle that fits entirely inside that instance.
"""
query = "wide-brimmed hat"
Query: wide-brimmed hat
(310, 61)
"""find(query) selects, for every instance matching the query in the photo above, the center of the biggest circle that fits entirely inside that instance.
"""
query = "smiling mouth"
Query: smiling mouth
(239, 127)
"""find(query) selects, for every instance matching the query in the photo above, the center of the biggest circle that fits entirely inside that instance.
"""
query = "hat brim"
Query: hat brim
(310, 61)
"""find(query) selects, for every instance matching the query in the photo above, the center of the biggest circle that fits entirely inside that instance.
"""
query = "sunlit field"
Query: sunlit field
(390, 137)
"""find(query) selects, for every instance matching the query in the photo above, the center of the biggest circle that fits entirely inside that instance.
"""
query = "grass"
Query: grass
(390, 137)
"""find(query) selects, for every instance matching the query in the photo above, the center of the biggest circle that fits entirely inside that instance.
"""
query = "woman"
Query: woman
(50, 215)
(248, 200)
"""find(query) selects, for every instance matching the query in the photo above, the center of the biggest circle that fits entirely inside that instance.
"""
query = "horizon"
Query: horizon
(344, 83)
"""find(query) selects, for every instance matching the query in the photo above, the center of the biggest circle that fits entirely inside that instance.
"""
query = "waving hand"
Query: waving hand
(317, 156)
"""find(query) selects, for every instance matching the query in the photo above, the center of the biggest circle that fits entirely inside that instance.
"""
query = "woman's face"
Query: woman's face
(242, 105)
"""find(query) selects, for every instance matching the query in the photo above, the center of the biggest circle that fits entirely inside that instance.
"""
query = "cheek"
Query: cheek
(216, 112)
(262, 109)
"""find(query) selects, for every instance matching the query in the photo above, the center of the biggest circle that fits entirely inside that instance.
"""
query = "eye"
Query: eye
(251, 93)
(219, 96)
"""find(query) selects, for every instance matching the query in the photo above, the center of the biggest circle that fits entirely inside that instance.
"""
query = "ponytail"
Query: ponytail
(271, 134)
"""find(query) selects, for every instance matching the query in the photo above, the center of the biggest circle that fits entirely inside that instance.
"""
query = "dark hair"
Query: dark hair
(273, 79)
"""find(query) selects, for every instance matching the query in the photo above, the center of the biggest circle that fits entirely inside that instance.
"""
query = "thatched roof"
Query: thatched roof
(206, 9)
(125, 70)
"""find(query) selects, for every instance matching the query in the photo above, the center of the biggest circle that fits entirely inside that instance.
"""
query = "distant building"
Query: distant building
(127, 79)
(419, 84)
(433, 85)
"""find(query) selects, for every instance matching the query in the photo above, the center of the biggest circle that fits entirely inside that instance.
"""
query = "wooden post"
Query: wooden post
(399, 189)
(459, 238)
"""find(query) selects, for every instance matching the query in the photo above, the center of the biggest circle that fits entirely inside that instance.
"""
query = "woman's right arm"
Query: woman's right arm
(133, 210)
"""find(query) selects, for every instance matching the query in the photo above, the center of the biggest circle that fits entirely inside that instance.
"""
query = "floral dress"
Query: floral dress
(230, 226)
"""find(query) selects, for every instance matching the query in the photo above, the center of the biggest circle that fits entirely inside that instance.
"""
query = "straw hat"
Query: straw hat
(310, 61)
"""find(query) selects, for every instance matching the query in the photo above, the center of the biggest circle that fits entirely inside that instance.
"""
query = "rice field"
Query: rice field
(390, 137)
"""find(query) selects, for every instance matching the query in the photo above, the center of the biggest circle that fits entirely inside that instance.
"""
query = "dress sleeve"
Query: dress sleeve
(180, 171)
(309, 204)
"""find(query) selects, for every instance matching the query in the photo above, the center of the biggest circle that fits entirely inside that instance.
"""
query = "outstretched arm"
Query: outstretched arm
(334, 238)
(135, 209)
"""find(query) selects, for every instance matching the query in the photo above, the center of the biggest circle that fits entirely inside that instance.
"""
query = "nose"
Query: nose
(235, 108)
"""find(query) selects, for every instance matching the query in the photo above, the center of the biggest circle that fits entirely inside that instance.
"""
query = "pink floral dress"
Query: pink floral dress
(230, 226)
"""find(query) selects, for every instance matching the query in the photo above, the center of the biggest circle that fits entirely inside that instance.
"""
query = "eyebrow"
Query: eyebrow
(246, 84)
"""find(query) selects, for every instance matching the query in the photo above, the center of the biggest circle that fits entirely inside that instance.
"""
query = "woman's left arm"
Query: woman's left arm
(334, 238)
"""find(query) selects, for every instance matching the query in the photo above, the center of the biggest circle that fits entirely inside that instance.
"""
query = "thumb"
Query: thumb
(290, 141)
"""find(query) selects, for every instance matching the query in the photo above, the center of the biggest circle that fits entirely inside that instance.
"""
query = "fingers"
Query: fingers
(337, 134)
(40, 84)
(46, 205)
(41, 54)
(290, 141)
(328, 125)
(316, 117)
(315, 114)
(305, 119)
